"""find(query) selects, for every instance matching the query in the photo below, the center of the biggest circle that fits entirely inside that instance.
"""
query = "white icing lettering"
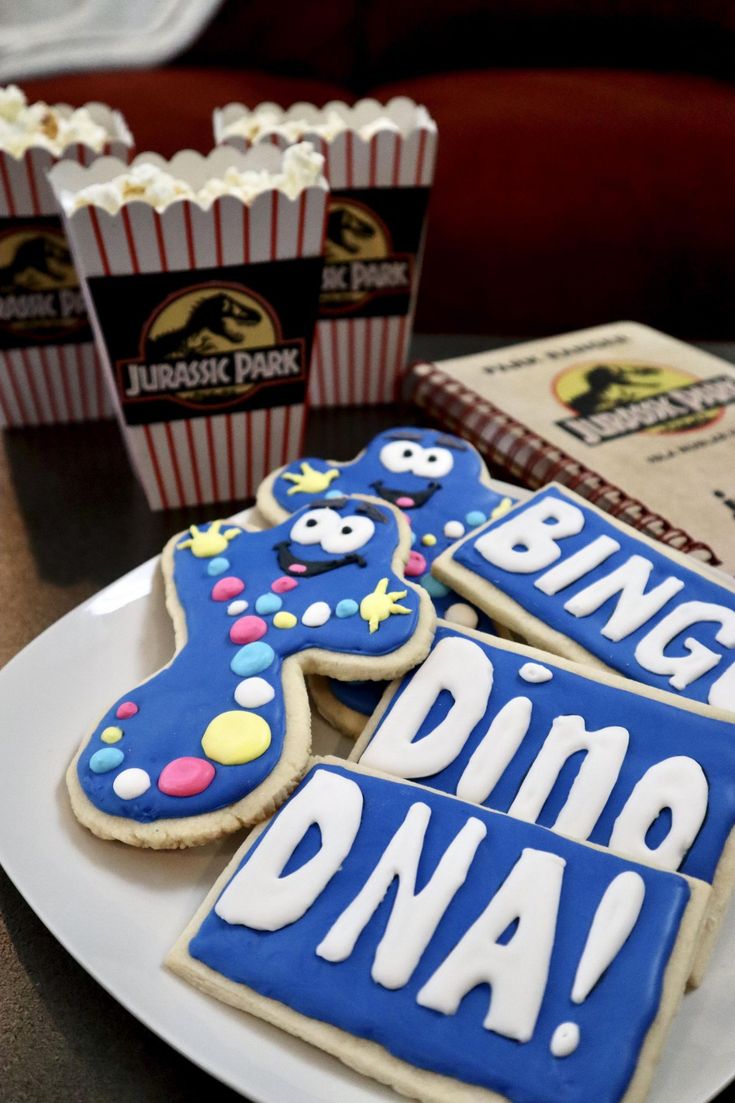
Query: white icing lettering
(260, 895)
(518, 970)
(591, 789)
(527, 541)
(616, 916)
(414, 916)
(634, 606)
(581, 563)
(651, 650)
(722, 691)
(456, 665)
(494, 753)
(677, 783)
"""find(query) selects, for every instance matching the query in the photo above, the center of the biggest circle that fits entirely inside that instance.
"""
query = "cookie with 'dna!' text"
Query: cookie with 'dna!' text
(217, 738)
(443, 487)
(454, 953)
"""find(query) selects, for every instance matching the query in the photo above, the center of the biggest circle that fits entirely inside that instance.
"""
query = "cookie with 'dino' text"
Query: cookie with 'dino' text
(219, 737)
(443, 487)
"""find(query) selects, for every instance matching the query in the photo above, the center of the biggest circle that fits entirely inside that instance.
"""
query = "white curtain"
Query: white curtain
(54, 36)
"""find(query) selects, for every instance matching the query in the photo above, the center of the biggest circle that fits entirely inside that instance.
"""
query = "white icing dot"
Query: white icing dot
(463, 614)
(253, 692)
(131, 783)
(534, 672)
(454, 529)
(317, 614)
(565, 1039)
(236, 607)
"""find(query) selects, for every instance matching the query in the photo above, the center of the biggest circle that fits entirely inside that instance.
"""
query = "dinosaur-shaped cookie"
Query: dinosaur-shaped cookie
(443, 487)
(219, 736)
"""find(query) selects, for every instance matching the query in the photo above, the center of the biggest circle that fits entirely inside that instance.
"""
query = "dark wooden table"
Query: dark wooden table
(73, 519)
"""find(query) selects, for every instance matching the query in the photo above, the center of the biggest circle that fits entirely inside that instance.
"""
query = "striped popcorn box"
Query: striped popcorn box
(49, 371)
(203, 311)
(379, 160)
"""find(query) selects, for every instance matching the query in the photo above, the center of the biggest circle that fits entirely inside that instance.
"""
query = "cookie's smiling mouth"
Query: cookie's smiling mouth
(306, 568)
(405, 499)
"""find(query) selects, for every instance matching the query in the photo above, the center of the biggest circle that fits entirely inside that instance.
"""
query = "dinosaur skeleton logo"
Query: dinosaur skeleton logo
(208, 346)
(614, 399)
(360, 262)
(39, 289)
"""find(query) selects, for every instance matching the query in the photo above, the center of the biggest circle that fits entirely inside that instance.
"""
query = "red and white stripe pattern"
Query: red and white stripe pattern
(48, 384)
(534, 461)
(359, 361)
(221, 456)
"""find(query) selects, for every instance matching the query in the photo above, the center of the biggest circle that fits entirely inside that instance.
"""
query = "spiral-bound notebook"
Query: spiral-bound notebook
(634, 420)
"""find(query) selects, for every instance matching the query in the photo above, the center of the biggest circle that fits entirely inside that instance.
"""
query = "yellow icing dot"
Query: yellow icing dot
(284, 620)
(233, 738)
(429, 540)
(111, 735)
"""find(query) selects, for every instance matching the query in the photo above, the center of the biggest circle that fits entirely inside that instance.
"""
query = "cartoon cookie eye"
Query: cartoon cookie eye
(433, 463)
(400, 455)
(314, 526)
(351, 533)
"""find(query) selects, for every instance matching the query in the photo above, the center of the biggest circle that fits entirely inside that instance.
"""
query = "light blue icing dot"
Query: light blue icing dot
(252, 658)
(475, 517)
(433, 586)
(268, 603)
(413, 538)
(334, 494)
(108, 758)
(218, 565)
(346, 607)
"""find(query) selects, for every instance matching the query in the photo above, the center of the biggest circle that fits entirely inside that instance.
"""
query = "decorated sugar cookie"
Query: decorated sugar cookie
(441, 484)
(451, 952)
(576, 581)
(595, 757)
(215, 739)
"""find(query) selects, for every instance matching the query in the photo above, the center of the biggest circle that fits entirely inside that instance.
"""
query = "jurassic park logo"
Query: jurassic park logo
(616, 398)
(360, 264)
(40, 299)
(208, 346)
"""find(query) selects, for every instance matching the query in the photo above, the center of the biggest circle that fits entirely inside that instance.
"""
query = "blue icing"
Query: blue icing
(475, 517)
(178, 703)
(268, 603)
(657, 731)
(346, 608)
(218, 566)
(586, 630)
(253, 658)
(439, 498)
(362, 697)
(613, 1020)
(106, 759)
(433, 586)
(333, 494)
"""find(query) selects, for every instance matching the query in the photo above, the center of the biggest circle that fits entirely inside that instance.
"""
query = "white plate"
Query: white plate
(120, 917)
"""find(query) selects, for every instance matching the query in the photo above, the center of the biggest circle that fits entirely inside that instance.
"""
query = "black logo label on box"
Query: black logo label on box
(40, 299)
(373, 236)
(189, 344)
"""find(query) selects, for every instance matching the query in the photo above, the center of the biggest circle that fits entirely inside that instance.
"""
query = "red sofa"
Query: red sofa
(587, 151)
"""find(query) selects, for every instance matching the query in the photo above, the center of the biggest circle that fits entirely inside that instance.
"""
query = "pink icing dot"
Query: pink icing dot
(283, 584)
(126, 710)
(405, 503)
(225, 589)
(416, 565)
(185, 777)
(297, 568)
(248, 629)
